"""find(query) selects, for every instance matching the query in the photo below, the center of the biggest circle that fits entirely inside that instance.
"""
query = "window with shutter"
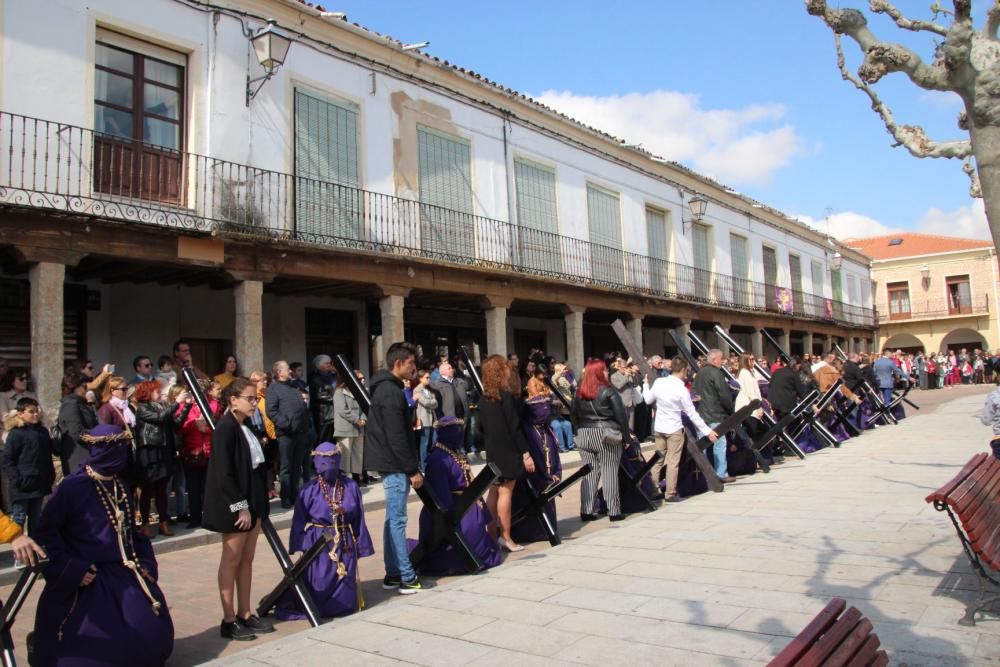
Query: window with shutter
(741, 269)
(795, 273)
(604, 216)
(817, 288)
(770, 258)
(537, 216)
(702, 261)
(837, 289)
(328, 202)
(445, 174)
(658, 248)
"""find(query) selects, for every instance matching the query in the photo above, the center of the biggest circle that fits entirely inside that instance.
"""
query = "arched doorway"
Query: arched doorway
(905, 342)
(970, 339)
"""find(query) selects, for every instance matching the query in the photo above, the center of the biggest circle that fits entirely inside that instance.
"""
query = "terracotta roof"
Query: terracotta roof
(911, 244)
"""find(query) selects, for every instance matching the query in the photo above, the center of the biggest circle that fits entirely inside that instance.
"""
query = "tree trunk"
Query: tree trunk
(986, 148)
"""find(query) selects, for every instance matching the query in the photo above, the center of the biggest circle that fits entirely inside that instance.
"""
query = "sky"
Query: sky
(747, 93)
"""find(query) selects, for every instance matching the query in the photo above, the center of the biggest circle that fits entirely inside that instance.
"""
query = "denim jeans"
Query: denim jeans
(719, 452)
(29, 509)
(397, 558)
(427, 438)
(564, 433)
(178, 483)
(887, 395)
(471, 426)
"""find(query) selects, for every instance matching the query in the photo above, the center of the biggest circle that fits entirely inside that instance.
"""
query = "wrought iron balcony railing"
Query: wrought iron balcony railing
(935, 308)
(60, 167)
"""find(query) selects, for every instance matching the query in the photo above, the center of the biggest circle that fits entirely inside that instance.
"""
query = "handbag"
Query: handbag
(612, 437)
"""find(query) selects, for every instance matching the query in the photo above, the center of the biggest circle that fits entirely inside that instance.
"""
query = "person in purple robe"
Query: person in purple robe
(543, 445)
(329, 504)
(101, 604)
(447, 474)
(632, 462)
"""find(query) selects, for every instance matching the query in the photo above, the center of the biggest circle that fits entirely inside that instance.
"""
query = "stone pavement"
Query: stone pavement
(721, 579)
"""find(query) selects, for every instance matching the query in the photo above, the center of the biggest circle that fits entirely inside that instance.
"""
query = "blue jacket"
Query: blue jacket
(885, 371)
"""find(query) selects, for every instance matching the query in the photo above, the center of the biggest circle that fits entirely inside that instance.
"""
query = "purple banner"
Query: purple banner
(783, 298)
(827, 309)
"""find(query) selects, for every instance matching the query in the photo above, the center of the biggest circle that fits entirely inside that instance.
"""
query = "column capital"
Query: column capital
(241, 276)
(383, 291)
(488, 301)
(636, 316)
(36, 255)
(569, 309)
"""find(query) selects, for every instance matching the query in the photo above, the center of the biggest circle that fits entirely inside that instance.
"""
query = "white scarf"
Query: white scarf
(126, 411)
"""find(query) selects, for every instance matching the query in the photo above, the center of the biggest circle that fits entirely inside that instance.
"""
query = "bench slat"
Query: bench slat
(801, 644)
(965, 496)
(942, 493)
(881, 659)
(866, 653)
(829, 642)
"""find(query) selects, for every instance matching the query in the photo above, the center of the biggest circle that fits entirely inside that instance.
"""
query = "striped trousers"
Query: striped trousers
(603, 460)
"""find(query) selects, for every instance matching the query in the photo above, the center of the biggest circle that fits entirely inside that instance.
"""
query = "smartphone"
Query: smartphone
(111, 368)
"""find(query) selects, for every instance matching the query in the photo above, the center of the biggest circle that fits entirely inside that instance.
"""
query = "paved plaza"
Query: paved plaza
(721, 579)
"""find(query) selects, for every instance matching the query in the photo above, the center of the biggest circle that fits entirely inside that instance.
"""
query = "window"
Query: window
(959, 295)
(738, 253)
(445, 174)
(837, 288)
(899, 300)
(795, 274)
(604, 216)
(770, 257)
(537, 216)
(138, 118)
(327, 199)
(702, 261)
(853, 293)
(816, 307)
(658, 243)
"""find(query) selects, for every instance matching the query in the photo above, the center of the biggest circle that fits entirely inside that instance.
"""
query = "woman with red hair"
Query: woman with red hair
(504, 442)
(602, 432)
(155, 448)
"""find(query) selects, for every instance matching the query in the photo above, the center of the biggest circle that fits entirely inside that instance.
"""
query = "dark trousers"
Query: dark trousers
(294, 451)
(28, 509)
(196, 491)
(147, 492)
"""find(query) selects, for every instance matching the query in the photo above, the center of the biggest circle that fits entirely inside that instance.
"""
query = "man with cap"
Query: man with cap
(448, 473)
(329, 504)
(101, 603)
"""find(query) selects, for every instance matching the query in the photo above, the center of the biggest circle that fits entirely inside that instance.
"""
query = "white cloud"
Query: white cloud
(734, 146)
(963, 222)
(848, 225)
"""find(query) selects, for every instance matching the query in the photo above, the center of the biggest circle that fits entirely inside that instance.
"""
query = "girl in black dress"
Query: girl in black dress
(235, 504)
(504, 443)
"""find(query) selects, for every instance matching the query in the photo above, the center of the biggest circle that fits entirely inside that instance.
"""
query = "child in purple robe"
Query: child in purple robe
(329, 504)
(543, 445)
(448, 473)
(101, 604)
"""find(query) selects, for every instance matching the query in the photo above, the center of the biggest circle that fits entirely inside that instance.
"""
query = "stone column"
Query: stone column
(574, 336)
(757, 343)
(720, 342)
(390, 304)
(47, 353)
(807, 342)
(784, 339)
(249, 344)
(634, 326)
(682, 330)
(495, 308)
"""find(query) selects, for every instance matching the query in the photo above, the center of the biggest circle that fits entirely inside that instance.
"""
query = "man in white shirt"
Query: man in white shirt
(672, 399)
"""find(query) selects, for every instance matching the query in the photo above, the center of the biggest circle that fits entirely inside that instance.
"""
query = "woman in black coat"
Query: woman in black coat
(235, 503)
(504, 442)
(75, 417)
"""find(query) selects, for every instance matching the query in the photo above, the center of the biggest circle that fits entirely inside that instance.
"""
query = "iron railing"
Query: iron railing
(55, 166)
(934, 308)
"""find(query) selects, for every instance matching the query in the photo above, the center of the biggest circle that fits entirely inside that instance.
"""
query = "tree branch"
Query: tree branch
(881, 58)
(975, 188)
(885, 7)
(911, 137)
(992, 21)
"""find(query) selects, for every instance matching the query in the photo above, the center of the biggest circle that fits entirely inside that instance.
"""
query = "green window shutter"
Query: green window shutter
(328, 201)
(770, 268)
(702, 261)
(447, 225)
(658, 248)
(604, 217)
(817, 278)
(739, 284)
(795, 272)
(537, 216)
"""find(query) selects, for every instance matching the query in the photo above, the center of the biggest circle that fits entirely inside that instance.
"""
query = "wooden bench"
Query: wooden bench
(834, 637)
(972, 500)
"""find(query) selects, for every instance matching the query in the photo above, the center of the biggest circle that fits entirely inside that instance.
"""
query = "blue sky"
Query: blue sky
(746, 92)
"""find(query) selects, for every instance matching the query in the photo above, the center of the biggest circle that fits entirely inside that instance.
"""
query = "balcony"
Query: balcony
(49, 166)
(934, 309)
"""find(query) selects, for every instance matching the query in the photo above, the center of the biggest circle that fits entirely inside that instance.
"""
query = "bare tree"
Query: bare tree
(966, 62)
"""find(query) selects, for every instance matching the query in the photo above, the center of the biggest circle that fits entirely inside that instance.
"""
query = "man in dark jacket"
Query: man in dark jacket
(786, 388)
(321, 387)
(293, 425)
(391, 451)
(452, 392)
(27, 463)
(715, 404)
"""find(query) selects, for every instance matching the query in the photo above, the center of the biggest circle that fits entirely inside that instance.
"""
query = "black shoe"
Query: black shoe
(589, 517)
(286, 505)
(390, 583)
(410, 587)
(673, 499)
(257, 625)
(616, 517)
(236, 631)
(658, 496)
(183, 517)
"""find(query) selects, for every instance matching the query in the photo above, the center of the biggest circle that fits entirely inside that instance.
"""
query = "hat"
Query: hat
(326, 460)
(105, 434)
(451, 432)
(110, 448)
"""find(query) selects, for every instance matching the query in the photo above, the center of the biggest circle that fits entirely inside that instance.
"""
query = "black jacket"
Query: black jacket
(390, 443)
(868, 373)
(605, 411)
(27, 459)
(231, 484)
(853, 377)
(321, 388)
(286, 409)
(716, 398)
(785, 390)
(503, 438)
(75, 417)
(155, 424)
(453, 397)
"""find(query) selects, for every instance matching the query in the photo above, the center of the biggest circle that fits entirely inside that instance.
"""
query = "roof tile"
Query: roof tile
(912, 244)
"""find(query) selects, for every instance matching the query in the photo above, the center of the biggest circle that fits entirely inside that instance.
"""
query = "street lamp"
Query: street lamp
(271, 48)
(697, 205)
(837, 261)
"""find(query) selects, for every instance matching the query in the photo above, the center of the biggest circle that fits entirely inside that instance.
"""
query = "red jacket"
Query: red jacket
(196, 445)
